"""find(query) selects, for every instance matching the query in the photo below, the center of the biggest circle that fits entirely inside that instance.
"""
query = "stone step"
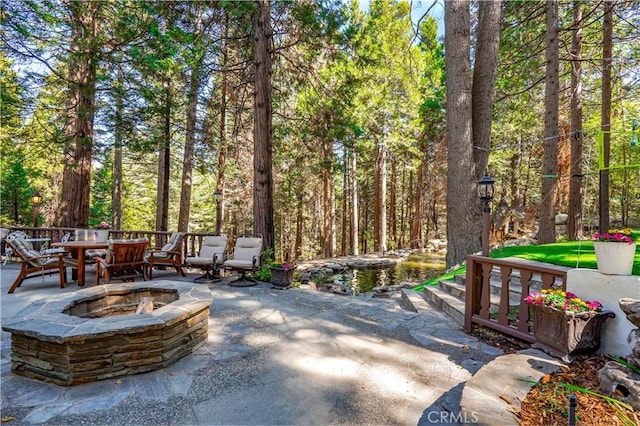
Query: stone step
(496, 283)
(450, 304)
(514, 283)
(458, 291)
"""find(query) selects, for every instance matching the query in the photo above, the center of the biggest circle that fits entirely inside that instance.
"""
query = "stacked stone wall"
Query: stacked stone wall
(50, 345)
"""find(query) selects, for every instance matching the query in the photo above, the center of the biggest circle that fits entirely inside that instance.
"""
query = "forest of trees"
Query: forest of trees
(328, 129)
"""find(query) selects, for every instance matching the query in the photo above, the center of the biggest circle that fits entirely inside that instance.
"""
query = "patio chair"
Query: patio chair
(169, 255)
(8, 251)
(247, 257)
(50, 251)
(33, 263)
(211, 258)
(4, 232)
(124, 261)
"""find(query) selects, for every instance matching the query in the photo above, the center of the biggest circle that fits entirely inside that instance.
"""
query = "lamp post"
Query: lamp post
(486, 187)
(218, 196)
(36, 199)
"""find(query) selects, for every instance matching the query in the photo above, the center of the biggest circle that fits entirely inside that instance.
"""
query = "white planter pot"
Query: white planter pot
(614, 258)
(101, 235)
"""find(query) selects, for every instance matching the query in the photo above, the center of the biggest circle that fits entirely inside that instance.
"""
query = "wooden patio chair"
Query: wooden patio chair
(124, 261)
(15, 235)
(169, 255)
(33, 263)
(212, 255)
(247, 257)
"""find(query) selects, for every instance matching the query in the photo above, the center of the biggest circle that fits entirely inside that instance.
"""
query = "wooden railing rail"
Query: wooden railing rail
(478, 293)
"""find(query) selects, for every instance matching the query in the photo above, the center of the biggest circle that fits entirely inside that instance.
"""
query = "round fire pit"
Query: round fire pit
(95, 333)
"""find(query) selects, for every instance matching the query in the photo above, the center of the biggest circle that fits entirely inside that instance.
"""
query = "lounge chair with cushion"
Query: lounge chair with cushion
(247, 257)
(33, 263)
(169, 255)
(4, 232)
(8, 251)
(210, 259)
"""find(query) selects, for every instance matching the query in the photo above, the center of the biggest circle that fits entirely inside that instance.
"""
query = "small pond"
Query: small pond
(417, 268)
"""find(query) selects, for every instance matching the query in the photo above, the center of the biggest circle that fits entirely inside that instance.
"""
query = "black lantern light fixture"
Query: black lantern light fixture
(36, 199)
(486, 189)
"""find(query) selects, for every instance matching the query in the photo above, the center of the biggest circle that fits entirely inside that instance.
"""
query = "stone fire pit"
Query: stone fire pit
(93, 334)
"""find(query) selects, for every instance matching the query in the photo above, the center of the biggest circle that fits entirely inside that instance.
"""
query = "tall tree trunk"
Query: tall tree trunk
(299, 220)
(189, 143)
(607, 51)
(354, 204)
(574, 221)
(328, 200)
(463, 230)
(546, 229)
(78, 129)
(262, 134)
(485, 72)
(194, 14)
(365, 222)
(222, 156)
(405, 206)
(483, 91)
(344, 219)
(418, 203)
(164, 161)
(116, 192)
(516, 197)
(393, 226)
(222, 150)
(380, 226)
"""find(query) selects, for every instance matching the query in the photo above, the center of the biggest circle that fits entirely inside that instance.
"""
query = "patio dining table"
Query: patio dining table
(77, 250)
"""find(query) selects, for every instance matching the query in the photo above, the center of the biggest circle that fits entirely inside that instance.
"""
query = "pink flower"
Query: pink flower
(566, 301)
(616, 236)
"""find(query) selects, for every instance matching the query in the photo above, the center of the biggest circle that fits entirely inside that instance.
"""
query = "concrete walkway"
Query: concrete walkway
(289, 357)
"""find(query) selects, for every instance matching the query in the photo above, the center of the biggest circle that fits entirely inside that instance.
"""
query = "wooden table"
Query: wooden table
(77, 250)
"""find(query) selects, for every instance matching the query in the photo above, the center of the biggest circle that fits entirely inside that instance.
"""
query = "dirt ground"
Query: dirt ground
(548, 401)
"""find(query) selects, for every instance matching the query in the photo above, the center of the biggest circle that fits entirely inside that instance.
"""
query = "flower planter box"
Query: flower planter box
(614, 258)
(281, 278)
(566, 334)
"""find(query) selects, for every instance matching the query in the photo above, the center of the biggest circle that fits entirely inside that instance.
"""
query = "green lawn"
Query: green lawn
(574, 254)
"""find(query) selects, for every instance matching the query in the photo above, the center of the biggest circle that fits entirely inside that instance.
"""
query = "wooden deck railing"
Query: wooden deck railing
(190, 245)
(508, 318)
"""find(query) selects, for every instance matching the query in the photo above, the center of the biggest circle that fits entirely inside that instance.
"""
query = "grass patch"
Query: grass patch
(434, 281)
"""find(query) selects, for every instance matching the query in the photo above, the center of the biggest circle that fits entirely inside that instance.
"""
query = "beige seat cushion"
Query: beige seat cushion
(171, 246)
(213, 245)
(246, 253)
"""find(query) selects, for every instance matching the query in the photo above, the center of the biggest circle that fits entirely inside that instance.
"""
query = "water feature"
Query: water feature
(417, 268)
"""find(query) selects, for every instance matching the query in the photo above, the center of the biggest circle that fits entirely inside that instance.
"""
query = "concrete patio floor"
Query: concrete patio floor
(280, 357)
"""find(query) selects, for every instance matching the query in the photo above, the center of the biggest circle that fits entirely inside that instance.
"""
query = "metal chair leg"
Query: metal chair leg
(243, 280)
(208, 277)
